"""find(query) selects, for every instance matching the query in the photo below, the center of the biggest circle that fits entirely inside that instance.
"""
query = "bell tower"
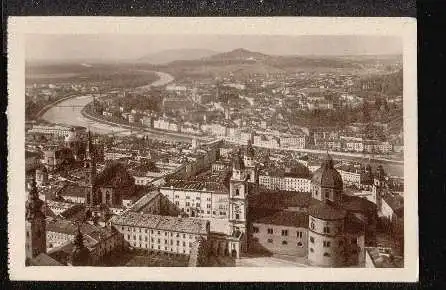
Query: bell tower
(249, 162)
(90, 168)
(35, 224)
(238, 199)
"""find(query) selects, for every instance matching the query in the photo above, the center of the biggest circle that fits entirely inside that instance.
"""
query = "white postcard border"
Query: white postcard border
(18, 27)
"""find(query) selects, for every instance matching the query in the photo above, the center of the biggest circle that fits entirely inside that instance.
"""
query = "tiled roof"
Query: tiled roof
(197, 185)
(74, 190)
(384, 261)
(326, 211)
(395, 201)
(285, 218)
(187, 225)
(44, 260)
(279, 199)
(357, 204)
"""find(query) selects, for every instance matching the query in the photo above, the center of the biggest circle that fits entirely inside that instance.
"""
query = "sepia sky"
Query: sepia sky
(126, 47)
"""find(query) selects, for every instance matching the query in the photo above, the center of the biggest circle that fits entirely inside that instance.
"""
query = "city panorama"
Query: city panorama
(206, 151)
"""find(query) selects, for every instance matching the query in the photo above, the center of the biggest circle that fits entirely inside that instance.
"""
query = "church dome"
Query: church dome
(327, 176)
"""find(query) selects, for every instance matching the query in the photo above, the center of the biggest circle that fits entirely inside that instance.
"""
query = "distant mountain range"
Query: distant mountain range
(167, 56)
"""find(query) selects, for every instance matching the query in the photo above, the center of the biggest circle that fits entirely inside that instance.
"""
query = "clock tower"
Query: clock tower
(238, 199)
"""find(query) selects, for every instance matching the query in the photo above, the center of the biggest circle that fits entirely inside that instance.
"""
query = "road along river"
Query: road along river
(68, 112)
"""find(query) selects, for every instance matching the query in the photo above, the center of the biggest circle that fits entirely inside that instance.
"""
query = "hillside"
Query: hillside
(171, 55)
(245, 62)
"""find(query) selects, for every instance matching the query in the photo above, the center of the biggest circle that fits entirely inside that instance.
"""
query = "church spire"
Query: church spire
(34, 203)
(80, 255)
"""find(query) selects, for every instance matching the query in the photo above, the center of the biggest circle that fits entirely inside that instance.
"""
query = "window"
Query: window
(270, 231)
(146, 231)
(237, 216)
(327, 244)
(165, 234)
(128, 237)
(140, 238)
(312, 225)
(270, 241)
(178, 243)
(284, 232)
(145, 239)
(158, 232)
(299, 244)
(159, 241)
(311, 240)
(255, 229)
(184, 236)
(237, 192)
(326, 255)
(187, 197)
(353, 241)
(184, 244)
(197, 198)
(284, 243)
(165, 241)
(311, 250)
(187, 203)
(326, 230)
(134, 237)
(299, 234)
(177, 203)
(178, 235)
(208, 206)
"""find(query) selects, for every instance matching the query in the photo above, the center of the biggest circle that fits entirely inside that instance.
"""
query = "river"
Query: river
(68, 112)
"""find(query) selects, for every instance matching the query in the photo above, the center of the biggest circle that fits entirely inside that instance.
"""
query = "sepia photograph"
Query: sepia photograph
(180, 144)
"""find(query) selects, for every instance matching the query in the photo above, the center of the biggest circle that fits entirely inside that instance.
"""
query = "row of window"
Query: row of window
(159, 241)
(325, 254)
(299, 244)
(326, 244)
(284, 232)
(156, 247)
(131, 229)
(197, 198)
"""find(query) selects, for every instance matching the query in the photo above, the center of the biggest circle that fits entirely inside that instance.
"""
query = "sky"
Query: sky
(127, 47)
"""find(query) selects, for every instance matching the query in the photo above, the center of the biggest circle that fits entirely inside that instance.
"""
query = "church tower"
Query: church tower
(90, 168)
(80, 256)
(238, 199)
(326, 218)
(249, 162)
(35, 224)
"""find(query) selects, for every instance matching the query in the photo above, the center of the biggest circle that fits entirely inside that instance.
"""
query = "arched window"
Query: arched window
(237, 192)
(299, 244)
(326, 255)
(312, 225)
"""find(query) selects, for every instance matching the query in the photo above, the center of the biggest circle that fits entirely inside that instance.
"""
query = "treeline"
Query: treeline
(388, 85)
(379, 111)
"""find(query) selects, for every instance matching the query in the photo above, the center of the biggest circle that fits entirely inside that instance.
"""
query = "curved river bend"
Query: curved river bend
(68, 112)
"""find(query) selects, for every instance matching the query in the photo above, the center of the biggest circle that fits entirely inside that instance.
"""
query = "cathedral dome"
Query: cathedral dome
(327, 176)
